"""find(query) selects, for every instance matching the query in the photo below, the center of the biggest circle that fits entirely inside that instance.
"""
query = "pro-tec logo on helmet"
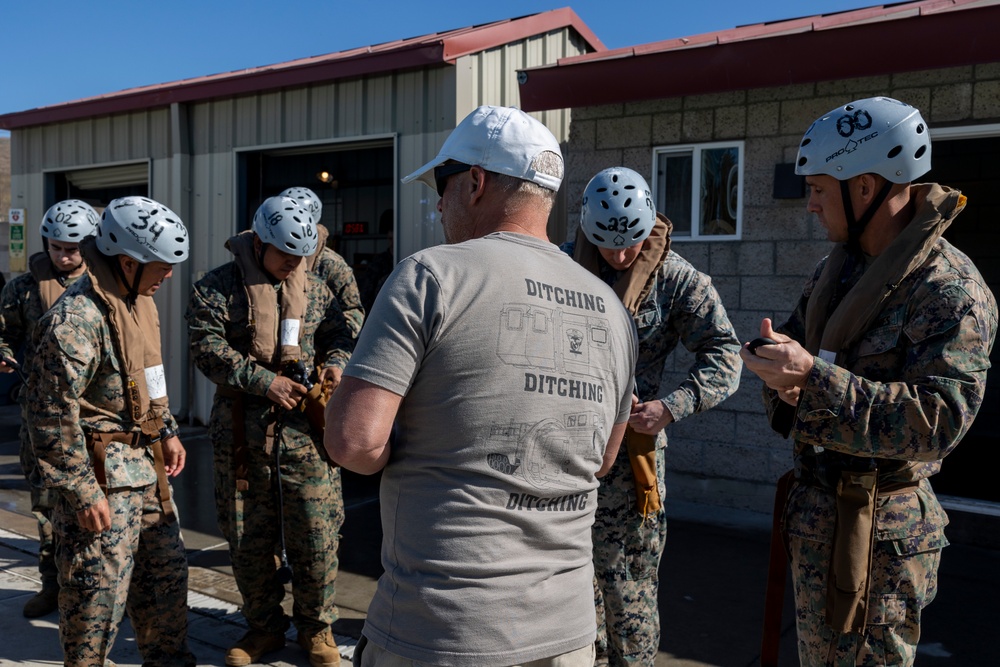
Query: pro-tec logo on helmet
(847, 125)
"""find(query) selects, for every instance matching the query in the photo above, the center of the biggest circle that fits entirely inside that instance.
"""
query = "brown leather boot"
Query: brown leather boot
(42, 603)
(321, 647)
(252, 646)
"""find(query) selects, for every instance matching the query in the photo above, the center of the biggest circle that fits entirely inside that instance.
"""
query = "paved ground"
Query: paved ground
(711, 596)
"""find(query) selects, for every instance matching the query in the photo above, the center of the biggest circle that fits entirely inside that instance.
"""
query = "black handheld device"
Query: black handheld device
(757, 342)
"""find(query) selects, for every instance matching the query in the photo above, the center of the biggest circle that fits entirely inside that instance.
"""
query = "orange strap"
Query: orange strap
(240, 443)
(162, 486)
(642, 456)
(97, 446)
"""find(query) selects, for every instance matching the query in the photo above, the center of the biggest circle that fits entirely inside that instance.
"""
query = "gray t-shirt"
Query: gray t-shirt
(514, 363)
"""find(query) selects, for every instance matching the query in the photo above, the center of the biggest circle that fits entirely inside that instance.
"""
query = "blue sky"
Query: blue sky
(61, 50)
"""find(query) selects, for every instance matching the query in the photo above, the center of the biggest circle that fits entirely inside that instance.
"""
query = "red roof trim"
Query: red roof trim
(220, 86)
(733, 60)
(503, 32)
(425, 51)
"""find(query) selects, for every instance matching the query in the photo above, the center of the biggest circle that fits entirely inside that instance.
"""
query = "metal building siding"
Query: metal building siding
(221, 130)
(380, 101)
(426, 113)
(246, 130)
(350, 109)
(81, 144)
(294, 114)
(490, 77)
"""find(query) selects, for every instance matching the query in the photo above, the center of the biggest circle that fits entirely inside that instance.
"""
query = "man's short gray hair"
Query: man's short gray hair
(518, 190)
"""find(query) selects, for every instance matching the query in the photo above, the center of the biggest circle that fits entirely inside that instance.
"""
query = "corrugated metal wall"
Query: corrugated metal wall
(194, 157)
(490, 77)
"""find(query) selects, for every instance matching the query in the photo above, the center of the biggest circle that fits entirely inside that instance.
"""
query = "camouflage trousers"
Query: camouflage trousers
(138, 564)
(43, 502)
(627, 552)
(901, 586)
(312, 509)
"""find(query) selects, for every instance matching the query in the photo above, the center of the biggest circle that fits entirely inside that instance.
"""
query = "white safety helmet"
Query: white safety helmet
(877, 135)
(617, 209)
(308, 199)
(284, 223)
(69, 221)
(143, 229)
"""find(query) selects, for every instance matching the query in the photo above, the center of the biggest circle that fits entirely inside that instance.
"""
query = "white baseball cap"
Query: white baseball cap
(504, 140)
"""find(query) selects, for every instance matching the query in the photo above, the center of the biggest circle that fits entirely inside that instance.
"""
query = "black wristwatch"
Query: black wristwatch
(166, 433)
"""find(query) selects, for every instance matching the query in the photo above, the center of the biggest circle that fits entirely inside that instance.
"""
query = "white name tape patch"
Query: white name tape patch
(156, 382)
(289, 332)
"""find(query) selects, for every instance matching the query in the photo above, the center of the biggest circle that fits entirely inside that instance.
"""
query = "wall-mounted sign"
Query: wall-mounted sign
(18, 260)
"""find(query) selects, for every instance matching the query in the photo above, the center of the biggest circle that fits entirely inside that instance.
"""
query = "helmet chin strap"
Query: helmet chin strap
(856, 227)
(132, 289)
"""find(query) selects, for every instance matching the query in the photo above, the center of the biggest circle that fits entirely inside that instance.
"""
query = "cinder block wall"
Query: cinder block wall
(729, 457)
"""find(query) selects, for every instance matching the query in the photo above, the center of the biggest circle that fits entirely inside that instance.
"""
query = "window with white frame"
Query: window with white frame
(699, 187)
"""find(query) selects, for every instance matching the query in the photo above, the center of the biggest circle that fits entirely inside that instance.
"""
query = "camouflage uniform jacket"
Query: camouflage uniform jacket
(905, 393)
(333, 270)
(20, 309)
(75, 387)
(221, 333)
(683, 307)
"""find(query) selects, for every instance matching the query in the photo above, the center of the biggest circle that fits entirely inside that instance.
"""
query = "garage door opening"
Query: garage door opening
(356, 184)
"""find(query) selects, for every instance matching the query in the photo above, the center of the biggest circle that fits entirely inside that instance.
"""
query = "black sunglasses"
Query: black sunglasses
(443, 171)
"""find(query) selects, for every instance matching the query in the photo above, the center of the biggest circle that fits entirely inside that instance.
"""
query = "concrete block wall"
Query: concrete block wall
(729, 457)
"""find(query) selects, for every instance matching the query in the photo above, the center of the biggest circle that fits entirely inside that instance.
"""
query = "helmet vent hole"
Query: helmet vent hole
(920, 128)
(849, 107)
(604, 204)
(628, 202)
(894, 152)
(806, 141)
(802, 161)
(630, 187)
(111, 235)
(920, 152)
(602, 189)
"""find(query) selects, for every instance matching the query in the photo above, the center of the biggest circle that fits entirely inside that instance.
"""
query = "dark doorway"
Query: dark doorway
(97, 194)
(356, 184)
(971, 165)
